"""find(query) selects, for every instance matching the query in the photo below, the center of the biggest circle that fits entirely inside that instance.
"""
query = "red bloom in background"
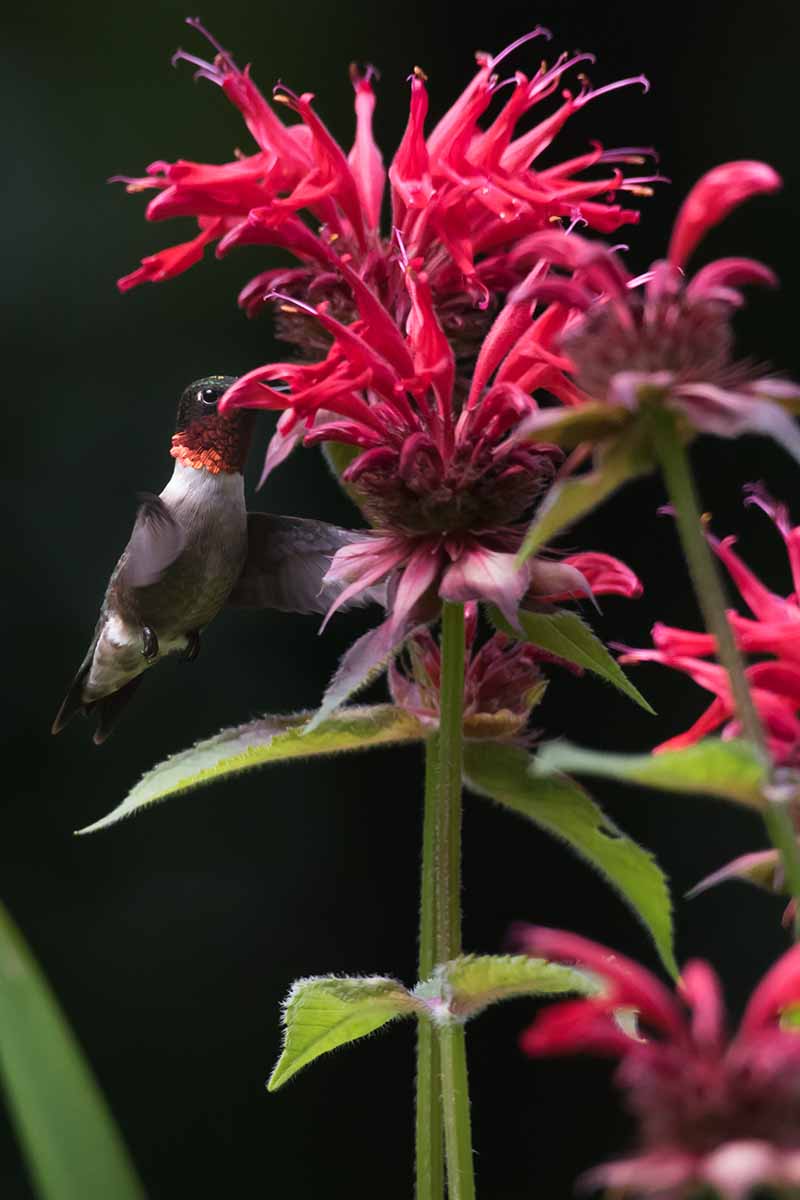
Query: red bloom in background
(663, 336)
(712, 1111)
(773, 630)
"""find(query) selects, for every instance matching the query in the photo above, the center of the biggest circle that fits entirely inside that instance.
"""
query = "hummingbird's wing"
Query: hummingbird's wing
(287, 558)
(156, 541)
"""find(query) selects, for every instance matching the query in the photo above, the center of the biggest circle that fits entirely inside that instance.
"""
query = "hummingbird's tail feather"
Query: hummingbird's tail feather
(110, 707)
(73, 702)
(107, 708)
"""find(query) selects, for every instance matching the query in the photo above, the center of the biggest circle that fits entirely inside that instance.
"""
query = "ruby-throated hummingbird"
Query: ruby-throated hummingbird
(193, 549)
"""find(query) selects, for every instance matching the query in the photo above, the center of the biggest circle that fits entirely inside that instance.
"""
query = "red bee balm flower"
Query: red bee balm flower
(712, 1111)
(773, 629)
(460, 198)
(663, 337)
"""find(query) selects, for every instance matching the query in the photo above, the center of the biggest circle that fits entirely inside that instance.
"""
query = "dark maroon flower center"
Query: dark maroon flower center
(418, 493)
(690, 340)
(697, 1100)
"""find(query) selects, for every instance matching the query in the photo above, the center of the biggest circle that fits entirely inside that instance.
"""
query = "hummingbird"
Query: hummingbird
(193, 549)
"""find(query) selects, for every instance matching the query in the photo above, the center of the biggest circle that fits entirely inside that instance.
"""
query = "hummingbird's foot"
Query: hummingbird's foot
(149, 643)
(192, 645)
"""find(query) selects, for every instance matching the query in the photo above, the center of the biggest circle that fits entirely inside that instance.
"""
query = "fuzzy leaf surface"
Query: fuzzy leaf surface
(562, 807)
(268, 740)
(574, 497)
(566, 634)
(472, 982)
(71, 1144)
(731, 770)
(325, 1012)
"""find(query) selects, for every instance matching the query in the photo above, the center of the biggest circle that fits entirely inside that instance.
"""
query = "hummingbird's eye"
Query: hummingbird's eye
(209, 396)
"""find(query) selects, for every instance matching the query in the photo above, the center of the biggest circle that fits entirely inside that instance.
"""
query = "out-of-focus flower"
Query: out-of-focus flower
(460, 197)
(663, 338)
(773, 629)
(712, 1111)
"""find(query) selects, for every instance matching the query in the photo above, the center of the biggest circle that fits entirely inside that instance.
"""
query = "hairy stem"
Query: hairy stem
(447, 940)
(704, 573)
(429, 1131)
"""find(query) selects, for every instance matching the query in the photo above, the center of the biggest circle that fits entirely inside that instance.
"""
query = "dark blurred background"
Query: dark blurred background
(172, 938)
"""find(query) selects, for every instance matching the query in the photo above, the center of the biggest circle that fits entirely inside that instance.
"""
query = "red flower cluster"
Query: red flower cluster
(660, 335)
(459, 198)
(712, 1111)
(773, 629)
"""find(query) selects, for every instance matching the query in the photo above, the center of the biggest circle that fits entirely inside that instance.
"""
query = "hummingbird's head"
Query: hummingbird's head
(206, 439)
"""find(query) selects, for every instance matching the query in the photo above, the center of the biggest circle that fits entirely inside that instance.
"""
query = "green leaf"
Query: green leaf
(565, 633)
(569, 427)
(562, 808)
(73, 1148)
(568, 501)
(339, 456)
(467, 985)
(731, 770)
(324, 1012)
(271, 739)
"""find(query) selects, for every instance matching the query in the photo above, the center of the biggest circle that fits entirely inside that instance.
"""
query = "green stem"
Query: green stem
(677, 471)
(447, 941)
(429, 1134)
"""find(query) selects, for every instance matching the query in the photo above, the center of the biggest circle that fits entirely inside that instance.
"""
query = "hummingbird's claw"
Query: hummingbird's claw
(192, 645)
(149, 643)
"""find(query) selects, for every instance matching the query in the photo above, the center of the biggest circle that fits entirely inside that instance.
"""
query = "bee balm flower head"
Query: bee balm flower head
(664, 337)
(713, 1111)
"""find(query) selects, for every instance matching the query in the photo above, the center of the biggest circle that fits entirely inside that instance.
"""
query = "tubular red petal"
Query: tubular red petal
(488, 575)
(756, 493)
(333, 175)
(281, 445)
(673, 641)
(172, 261)
(700, 987)
(714, 195)
(509, 325)
(363, 563)
(434, 360)
(718, 711)
(766, 605)
(409, 172)
(573, 1027)
(629, 985)
(779, 988)
(266, 227)
(606, 575)
(417, 576)
(365, 159)
(729, 272)
(379, 323)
